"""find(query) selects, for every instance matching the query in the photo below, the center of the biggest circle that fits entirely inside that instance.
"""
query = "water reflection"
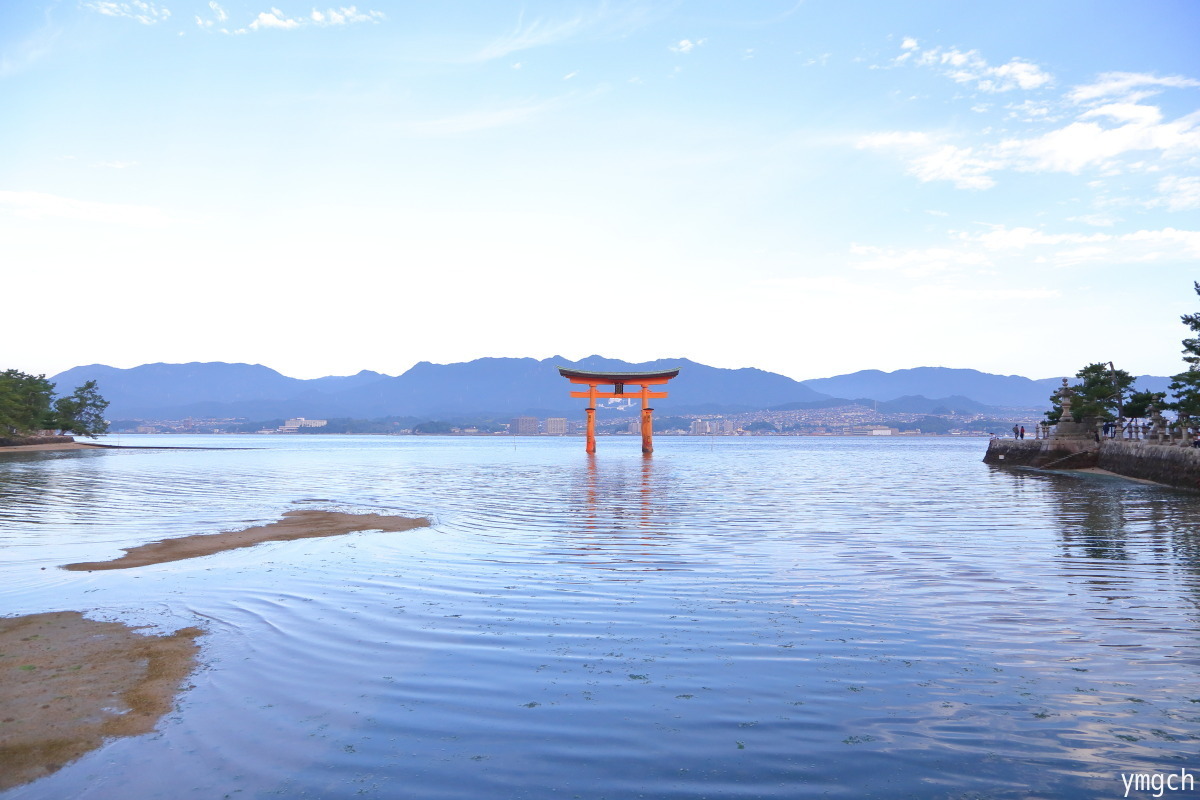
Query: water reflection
(617, 515)
(1116, 533)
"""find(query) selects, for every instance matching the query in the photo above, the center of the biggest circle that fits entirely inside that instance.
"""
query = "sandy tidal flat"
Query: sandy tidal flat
(67, 683)
(294, 525)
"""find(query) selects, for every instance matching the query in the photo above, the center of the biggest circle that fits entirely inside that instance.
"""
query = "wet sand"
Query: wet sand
(294, 525)
(28, 448)
(68, 683)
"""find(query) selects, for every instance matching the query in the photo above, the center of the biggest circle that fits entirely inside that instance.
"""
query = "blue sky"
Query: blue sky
(811, 188)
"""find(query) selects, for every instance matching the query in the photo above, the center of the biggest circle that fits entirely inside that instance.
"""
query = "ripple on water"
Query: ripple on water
(742, 618)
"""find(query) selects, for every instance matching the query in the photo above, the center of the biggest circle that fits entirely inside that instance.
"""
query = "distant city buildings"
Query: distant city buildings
(850, 420)
(713, 427)
(523, 426)
(293, 425)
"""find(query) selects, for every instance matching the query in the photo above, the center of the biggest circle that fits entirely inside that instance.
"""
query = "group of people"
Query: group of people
(1018, 431)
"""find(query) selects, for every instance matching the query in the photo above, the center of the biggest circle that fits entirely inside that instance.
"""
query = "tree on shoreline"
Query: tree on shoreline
(81, 412)
(27, 405)
(1186, 385)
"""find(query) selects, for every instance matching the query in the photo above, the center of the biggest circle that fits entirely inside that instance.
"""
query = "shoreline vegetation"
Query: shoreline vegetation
(70, 683)
(308, 524)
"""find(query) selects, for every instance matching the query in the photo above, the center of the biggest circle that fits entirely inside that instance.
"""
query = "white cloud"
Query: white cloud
(139, 10)
(969, 67)
(1102, 137)
(1129, 86)
(273, 19)
(569, 75)
(1086, 143)
(1179, 193)
(932, 160)
(958, 164)
(345, 15)
(1001, 249)
(686, 46)
(276, 20)
(39, 205)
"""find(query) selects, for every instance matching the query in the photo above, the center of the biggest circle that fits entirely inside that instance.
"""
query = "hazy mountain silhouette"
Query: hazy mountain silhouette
(943, 382)
(494, 386)
(504, 387)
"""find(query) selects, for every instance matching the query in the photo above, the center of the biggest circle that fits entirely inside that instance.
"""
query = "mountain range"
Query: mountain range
(505, 387)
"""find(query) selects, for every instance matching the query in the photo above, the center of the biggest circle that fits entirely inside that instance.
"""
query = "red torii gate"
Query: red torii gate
(618, 381)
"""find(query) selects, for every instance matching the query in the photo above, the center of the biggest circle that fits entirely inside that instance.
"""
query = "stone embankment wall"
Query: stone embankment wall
(1171, 465)
(1168, 464)
(18, 441)
(1042, 453)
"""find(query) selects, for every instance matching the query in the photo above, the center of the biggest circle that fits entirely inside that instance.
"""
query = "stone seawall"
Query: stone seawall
(1170, 465)
(1042, 453)
(1167, 464)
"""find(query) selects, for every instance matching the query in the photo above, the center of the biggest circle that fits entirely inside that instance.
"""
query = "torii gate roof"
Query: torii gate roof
(618, 377)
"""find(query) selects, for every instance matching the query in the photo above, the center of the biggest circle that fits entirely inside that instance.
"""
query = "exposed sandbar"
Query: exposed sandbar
(29, 448)
(67, 683)
(294, 525)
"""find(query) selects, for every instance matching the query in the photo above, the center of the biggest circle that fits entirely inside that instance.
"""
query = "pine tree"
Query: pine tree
(1186, 385)
(81, 412)
(1100, 393)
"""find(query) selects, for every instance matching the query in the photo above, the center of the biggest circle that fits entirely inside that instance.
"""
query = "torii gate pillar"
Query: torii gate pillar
(618, 381)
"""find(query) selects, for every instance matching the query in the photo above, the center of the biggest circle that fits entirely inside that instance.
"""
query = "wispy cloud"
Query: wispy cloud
(39, 205)
(1179, 193)
(968, 67)
(1128, 86)
(1108, 130)
(138, 10)
(1002, 247)
(526, 36)
(346, 15)
(19, 56)
(685, 46)
(930, 159)
(1089, 142)
(274, 19)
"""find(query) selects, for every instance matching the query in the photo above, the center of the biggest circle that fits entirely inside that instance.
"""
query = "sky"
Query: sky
(810, 188)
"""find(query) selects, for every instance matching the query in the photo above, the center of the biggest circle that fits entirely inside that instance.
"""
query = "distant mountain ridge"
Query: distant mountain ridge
(504, 387)
(487, 386)
(1012, 391)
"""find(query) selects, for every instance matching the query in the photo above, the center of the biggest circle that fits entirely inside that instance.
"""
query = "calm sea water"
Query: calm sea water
(733, 618)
